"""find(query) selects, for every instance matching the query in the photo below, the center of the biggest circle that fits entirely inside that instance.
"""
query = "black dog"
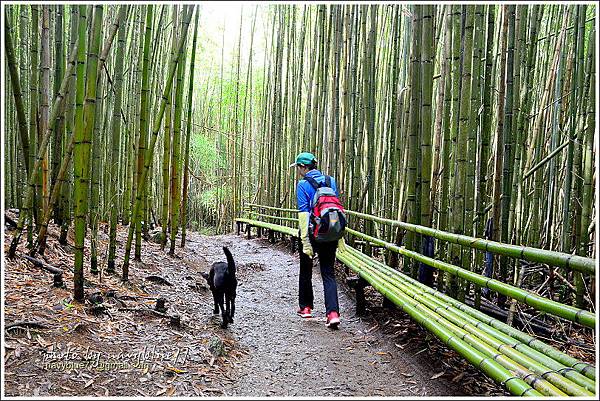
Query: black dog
(223, 284)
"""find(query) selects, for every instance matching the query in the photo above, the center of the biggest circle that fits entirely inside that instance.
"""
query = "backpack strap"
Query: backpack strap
(312, 182)
(328, 181)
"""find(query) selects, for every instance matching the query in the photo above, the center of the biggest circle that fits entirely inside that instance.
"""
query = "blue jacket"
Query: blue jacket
(305, 192)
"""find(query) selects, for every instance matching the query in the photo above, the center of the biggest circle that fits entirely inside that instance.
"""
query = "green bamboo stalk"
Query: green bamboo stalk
(33, 114)
(59, 67)
(545, 160)
(176, 149)
(587, 154)
(521, 17)
(427, 64)
(567, 227)
(143, 129)
(445, 181)
(461, 149)
(95, 176)
(412, 197)
(473, 187)
(486, 126)
(578, 86)
(22, 162)
(588, 169)
(40, 244)
(499, 142)
(115, 139)
(451, 282)
(507, 140)
(279, 209)
(164, 220)
(525, 108)
(135, 83)
(17, 95)
(65, 194)
(167, 140)
(188, 134)
(84, 126)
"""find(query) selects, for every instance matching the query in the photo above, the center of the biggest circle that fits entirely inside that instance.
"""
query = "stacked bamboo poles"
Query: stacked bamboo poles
(537, 349)
(436, 312)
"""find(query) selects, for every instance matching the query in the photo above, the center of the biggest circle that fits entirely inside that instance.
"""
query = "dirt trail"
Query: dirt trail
(290, 356)
(267, 351)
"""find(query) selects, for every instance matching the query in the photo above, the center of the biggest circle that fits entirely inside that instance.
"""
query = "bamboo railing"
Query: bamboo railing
(574, 262)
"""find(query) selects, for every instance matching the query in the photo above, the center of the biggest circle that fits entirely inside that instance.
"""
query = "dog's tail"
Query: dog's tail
(230, 262)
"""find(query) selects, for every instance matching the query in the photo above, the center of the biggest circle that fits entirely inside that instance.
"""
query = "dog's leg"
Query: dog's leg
(228, 307)
(216, 302)
(223, 311)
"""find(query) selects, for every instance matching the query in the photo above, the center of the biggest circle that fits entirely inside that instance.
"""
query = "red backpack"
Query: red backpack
(327, 215)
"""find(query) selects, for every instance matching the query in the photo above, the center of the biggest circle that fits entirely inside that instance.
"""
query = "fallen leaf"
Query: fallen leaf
(41, 341)
(437, 375)
(177, 370)
(458, 377)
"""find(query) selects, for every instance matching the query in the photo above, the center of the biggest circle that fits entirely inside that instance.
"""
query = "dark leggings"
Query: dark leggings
(326, 253)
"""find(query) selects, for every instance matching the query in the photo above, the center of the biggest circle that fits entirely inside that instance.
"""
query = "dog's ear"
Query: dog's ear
(205, 275)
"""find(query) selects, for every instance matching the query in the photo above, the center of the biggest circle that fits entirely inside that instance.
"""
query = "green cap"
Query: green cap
(304, 159)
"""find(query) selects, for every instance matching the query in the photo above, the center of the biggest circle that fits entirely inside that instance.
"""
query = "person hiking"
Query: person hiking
(321, 223)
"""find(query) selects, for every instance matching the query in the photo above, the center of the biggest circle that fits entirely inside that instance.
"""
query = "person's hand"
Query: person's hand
(307, 247)
(303, 218)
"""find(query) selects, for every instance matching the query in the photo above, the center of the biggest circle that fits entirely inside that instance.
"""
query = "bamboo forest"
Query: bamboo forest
(173, 170)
